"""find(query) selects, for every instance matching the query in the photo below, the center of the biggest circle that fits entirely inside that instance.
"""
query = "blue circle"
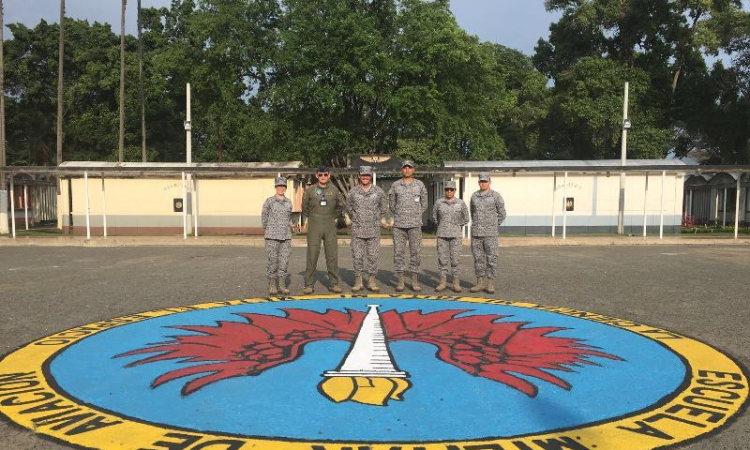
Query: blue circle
(443, 404)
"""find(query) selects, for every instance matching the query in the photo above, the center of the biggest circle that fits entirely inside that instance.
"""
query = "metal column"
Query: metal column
(554, 203)
(661, 220)
(195, 205)
(88, 208)
(737, 208)
(645, 202)
(184, 208)
(104, 208)
(565, 207)
(26, 205)
(12, 207)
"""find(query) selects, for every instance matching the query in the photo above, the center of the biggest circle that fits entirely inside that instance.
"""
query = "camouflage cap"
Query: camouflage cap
(484, 176)
(365, 170)
(450, 185)
(280, 181)
(407, 163)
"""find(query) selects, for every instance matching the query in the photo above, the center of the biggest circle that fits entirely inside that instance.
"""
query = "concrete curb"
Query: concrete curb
(255, 241)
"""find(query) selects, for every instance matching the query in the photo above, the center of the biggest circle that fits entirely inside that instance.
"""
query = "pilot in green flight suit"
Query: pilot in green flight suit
(322, 204)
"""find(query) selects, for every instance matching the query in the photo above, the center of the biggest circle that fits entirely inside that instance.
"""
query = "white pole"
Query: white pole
(188, 129)
(661, 220)
(184, 208)
(645, 201)
(623, 161)
(679, 182)
(3, 206)
(554, 203)
(724, 209)
(716, 208)
(188, 153)
(565, 207)
(195, 207)
(374, 179)
(104, 208)
(88, 212)
(467, 200)
(12, 207)
(26, 205)
(737, 208)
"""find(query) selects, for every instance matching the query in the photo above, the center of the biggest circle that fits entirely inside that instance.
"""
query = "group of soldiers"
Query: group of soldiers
(366, 205)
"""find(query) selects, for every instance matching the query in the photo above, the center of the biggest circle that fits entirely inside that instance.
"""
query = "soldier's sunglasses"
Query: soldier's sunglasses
(326, 174)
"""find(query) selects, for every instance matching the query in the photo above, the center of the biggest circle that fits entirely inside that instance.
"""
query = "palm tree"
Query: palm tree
(140, 80)
(2, 98)
(122, 82)
(60, 84)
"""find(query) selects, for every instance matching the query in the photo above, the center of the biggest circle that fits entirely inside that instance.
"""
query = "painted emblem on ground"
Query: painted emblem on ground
(375, 373)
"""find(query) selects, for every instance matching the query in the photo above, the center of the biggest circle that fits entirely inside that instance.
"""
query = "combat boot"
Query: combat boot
(443, 282)
(490, 287)
(336, 289)
(372, 284)
(282, 287)
(308, 290)
(415, 283)
(400, 286)
(479, 286)
(456, 284)
(272, 287)
(357, 284)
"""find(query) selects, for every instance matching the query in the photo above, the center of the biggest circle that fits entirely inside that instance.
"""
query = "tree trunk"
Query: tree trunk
(220, 146)
(2, 99)
(681, 51)
(142, 90)
(60, 83)
(121, 154)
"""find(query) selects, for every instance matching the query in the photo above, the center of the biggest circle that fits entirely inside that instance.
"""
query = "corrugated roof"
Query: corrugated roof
(489, 165)
(140, 165)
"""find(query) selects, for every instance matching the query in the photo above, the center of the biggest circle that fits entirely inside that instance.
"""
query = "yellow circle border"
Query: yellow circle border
(714, 392)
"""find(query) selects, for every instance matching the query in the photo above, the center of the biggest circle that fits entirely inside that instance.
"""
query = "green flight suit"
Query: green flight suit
(322, 206)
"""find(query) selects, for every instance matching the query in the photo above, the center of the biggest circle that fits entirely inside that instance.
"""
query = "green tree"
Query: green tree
(525, 106)
(585, 120)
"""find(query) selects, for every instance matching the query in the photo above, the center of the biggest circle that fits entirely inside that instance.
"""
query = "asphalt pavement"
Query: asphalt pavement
(701, 291)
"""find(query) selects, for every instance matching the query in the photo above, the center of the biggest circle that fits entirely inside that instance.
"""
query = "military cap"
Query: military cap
(407, 163)
(280, 181)
(450, 185)
(484, 176)
(365, 170)
(323, 169)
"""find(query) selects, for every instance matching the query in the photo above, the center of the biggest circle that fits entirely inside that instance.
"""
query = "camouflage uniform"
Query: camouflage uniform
(276, 217)
(487, 214)
(366, 208)
(408, 201)
(322, 206)
(450, 216)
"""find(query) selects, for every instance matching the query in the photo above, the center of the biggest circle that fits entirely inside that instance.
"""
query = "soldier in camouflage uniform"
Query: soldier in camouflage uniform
(366, 205)
(322, 204)
(451, 215)
(276, 217)
(408, 202)
(487, 214)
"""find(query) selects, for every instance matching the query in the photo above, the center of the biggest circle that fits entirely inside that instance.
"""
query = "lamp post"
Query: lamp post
(623, 160)
(3, 182)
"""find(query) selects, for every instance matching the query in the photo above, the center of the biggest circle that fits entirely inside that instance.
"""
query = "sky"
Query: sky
(516, 24)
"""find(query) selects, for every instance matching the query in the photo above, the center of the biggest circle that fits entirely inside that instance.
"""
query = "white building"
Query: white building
(536, 199)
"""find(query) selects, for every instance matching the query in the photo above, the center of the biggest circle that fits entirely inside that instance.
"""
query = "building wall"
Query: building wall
(529, 202)
(145, 206)
(225, 206)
